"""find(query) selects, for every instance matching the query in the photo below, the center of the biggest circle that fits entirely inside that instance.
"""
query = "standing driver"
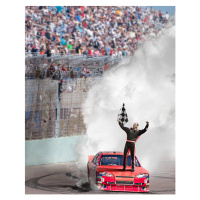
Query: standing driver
(133, 135)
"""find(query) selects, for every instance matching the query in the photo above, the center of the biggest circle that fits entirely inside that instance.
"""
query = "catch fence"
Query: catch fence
(54, 105)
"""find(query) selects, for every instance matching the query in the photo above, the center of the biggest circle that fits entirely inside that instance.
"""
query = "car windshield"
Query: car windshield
(116, 160)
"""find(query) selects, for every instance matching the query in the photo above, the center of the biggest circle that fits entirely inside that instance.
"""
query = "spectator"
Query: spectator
(59, 9)
(78, 46)
(34, 50)
(64, 69)
(48, 35)
(51, 70)
(48, 52)
(70, 46)
(62, 51)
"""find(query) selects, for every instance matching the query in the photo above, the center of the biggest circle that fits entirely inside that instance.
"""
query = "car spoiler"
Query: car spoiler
(90, 158)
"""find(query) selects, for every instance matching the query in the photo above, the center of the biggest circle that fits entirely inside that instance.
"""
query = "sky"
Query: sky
(169, 9)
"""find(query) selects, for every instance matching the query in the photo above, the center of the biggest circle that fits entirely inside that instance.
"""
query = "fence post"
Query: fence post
(57, 127)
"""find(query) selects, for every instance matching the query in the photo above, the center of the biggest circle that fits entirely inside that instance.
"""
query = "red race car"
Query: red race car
(105, 171)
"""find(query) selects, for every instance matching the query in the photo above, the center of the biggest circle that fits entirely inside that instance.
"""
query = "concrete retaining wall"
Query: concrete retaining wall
(53, 150)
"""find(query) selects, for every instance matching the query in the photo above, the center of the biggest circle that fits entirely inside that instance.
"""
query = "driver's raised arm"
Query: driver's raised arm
(145, 129)
(122, 126)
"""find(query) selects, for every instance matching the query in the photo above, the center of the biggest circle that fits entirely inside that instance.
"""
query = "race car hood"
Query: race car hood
(117, 170)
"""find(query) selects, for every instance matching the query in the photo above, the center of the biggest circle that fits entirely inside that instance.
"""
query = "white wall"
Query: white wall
(53, 150)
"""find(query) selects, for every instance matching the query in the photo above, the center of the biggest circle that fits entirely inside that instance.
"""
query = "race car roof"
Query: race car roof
(112, 153)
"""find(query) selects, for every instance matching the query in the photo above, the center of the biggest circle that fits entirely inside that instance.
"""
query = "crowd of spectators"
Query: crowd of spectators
(90, 30)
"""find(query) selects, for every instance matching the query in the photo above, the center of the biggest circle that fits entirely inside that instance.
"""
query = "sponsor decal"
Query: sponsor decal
(100, 186)
(99, 182)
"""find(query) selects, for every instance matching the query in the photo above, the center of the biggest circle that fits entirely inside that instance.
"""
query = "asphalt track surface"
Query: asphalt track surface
(68, 178)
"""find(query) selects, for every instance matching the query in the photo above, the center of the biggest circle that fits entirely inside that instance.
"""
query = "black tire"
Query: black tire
(96, 178)
(88, 172)
(89, 178)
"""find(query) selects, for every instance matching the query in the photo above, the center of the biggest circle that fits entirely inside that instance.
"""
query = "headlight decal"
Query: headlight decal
(142, 176)
(107, 174)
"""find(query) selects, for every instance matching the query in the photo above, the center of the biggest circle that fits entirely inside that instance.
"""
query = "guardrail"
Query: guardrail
(38, 66)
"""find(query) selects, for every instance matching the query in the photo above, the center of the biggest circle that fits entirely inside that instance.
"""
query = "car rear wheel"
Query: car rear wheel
(96, 179)
(89, 178)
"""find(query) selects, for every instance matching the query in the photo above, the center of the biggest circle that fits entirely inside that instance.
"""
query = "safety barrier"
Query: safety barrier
(54, 101)
(53, 150)
(52, 113)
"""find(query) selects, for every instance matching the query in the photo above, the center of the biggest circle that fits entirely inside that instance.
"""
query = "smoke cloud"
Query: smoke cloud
(147, 87)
